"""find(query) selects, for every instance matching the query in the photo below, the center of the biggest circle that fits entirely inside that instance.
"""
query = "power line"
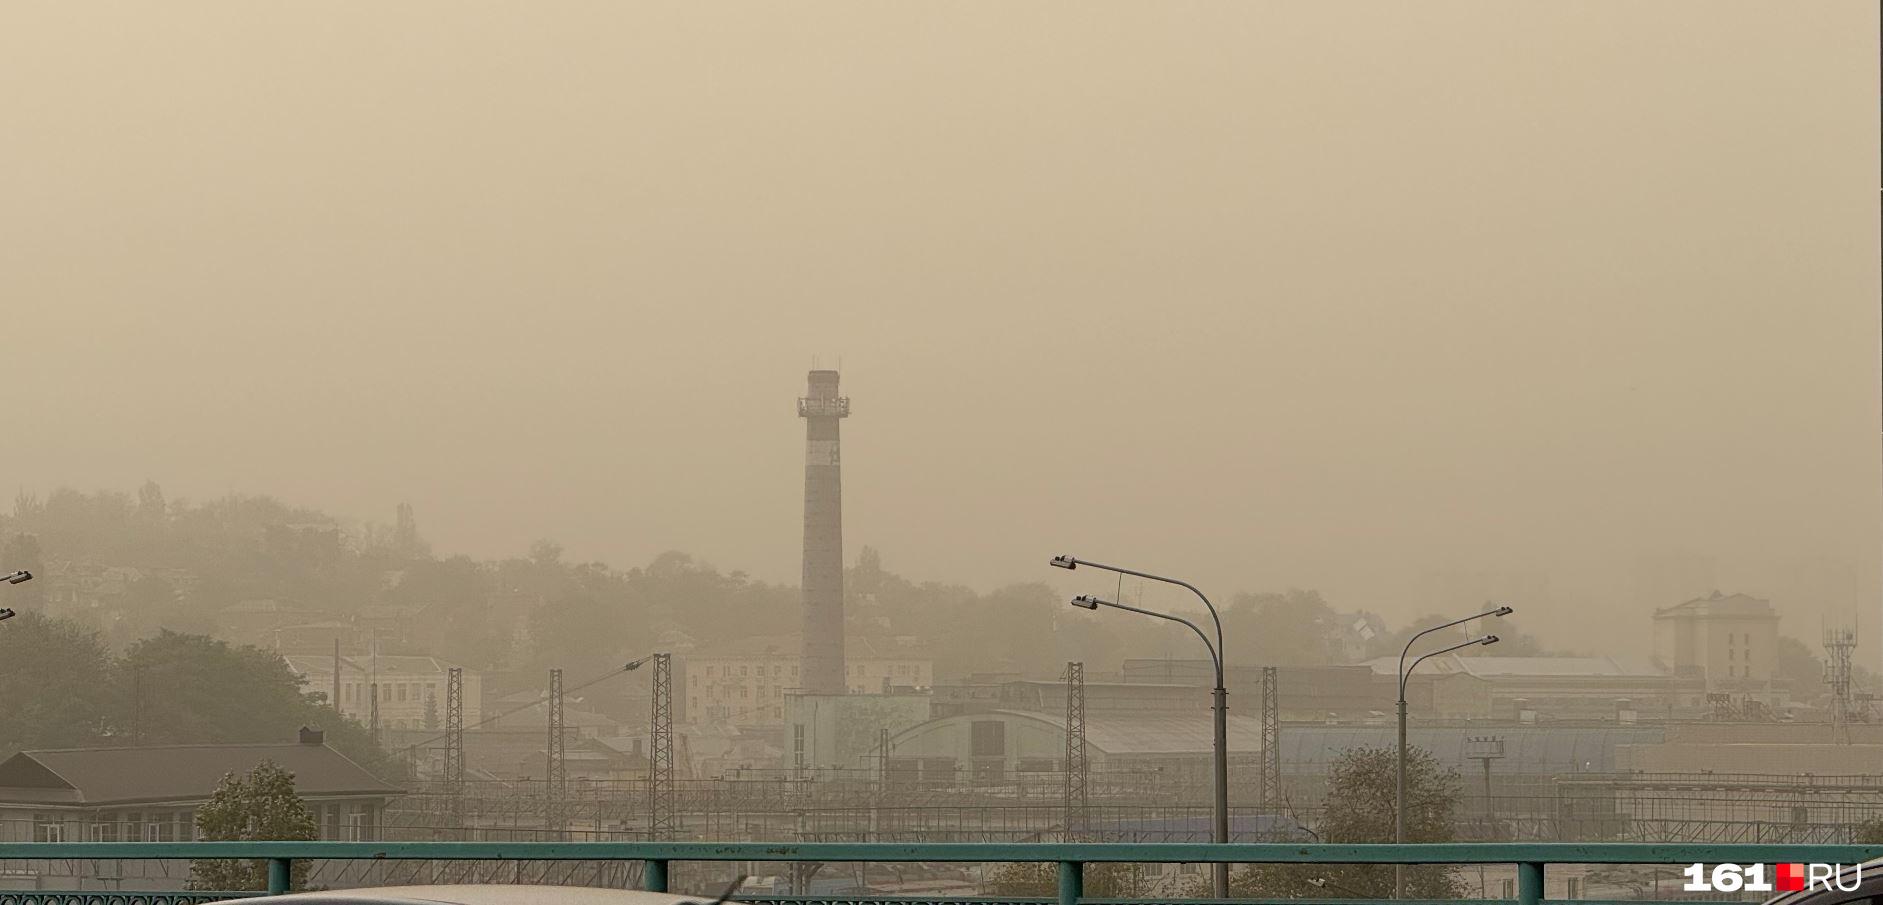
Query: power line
(491, 719)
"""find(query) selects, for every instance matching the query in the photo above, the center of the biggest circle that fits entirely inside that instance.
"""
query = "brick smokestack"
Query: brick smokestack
(821, 661)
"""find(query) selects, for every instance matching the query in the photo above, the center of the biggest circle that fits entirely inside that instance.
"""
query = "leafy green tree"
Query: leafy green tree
(1359, 808)
(57, 673)
(173, 688)
(259, 807)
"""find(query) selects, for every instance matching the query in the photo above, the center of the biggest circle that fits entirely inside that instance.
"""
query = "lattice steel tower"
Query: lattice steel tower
(822, 660)
(1271, 738)
(1078, 766)
(556, 785)
(660, 752)
(1839, 643)
(454, 748)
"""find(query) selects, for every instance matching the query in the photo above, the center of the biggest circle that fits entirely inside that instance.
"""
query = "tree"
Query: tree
(1103, 880)
(151, 507)
(56, 673)
(1297, 628)
(431, 707)
(21, 551)
(1869, 832)
(173, 688)
(1511, 641)
(1799, 666)
(1359, 808)
(259, 807)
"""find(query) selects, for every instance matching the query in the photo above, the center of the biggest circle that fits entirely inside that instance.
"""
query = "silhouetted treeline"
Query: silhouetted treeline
(539, 609)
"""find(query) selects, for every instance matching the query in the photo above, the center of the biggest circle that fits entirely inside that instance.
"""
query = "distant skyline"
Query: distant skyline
(1263, 295)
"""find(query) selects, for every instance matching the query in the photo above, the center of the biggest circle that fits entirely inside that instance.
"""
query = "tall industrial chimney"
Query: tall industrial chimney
(821, 661)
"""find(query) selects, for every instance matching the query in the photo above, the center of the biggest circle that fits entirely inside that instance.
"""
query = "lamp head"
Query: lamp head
(17, 577)
(1504, 611)
(5, 615)
(1085, 600)
(1489, 639)
(1063, 561)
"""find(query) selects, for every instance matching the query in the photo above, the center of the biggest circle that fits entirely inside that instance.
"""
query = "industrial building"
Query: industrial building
(994, 747)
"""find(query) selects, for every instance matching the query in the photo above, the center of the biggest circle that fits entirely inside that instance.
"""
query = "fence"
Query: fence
(656, 859)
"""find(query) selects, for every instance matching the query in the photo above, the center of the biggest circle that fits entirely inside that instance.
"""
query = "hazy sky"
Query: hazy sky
(1266, 294)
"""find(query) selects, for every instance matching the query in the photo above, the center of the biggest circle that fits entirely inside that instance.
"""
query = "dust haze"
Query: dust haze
(1414, 306)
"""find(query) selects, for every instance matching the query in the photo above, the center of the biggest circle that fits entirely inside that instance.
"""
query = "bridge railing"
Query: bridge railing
(1531, 860)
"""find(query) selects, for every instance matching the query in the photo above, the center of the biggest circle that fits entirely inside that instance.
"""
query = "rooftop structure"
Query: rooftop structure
(151, 793)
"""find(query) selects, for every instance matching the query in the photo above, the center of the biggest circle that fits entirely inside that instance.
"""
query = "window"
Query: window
(355, 824)
(163, 828)
(48, 828)
(105, 829)
(402, 691)
(1732, 654)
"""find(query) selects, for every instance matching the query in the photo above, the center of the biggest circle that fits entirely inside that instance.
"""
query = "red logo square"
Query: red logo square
(1790, 877)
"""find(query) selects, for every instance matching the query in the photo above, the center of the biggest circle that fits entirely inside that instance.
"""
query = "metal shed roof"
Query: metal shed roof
(1527, 749)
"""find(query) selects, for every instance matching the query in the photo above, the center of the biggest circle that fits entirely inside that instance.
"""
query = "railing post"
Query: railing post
(1530, 883)
(1071, 882)
(280, 872)
(654, 875)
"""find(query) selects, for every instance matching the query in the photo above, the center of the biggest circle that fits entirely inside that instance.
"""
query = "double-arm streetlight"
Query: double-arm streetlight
(1220, 832)
(13, 578)
(1405, 672)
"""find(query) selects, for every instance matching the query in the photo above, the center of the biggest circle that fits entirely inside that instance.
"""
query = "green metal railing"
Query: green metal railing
(1531, 859)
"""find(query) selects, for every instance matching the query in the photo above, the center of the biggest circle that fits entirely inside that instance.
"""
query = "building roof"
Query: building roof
(1133, 734)
(389, 667)
(264, 605)
(1718, 604)
(103, 776)
(1527, 749)
(1523, 667)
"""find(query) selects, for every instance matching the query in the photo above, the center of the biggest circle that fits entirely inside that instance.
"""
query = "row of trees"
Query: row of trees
(67, 689)
(1361, 801)
(539, 609)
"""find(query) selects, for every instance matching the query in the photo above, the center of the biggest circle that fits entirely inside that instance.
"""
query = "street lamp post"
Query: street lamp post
(1219, 695)
(13, 578)
(1399, 796)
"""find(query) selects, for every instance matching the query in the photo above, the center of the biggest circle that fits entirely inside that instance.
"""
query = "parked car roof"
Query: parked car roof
(477, 894)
